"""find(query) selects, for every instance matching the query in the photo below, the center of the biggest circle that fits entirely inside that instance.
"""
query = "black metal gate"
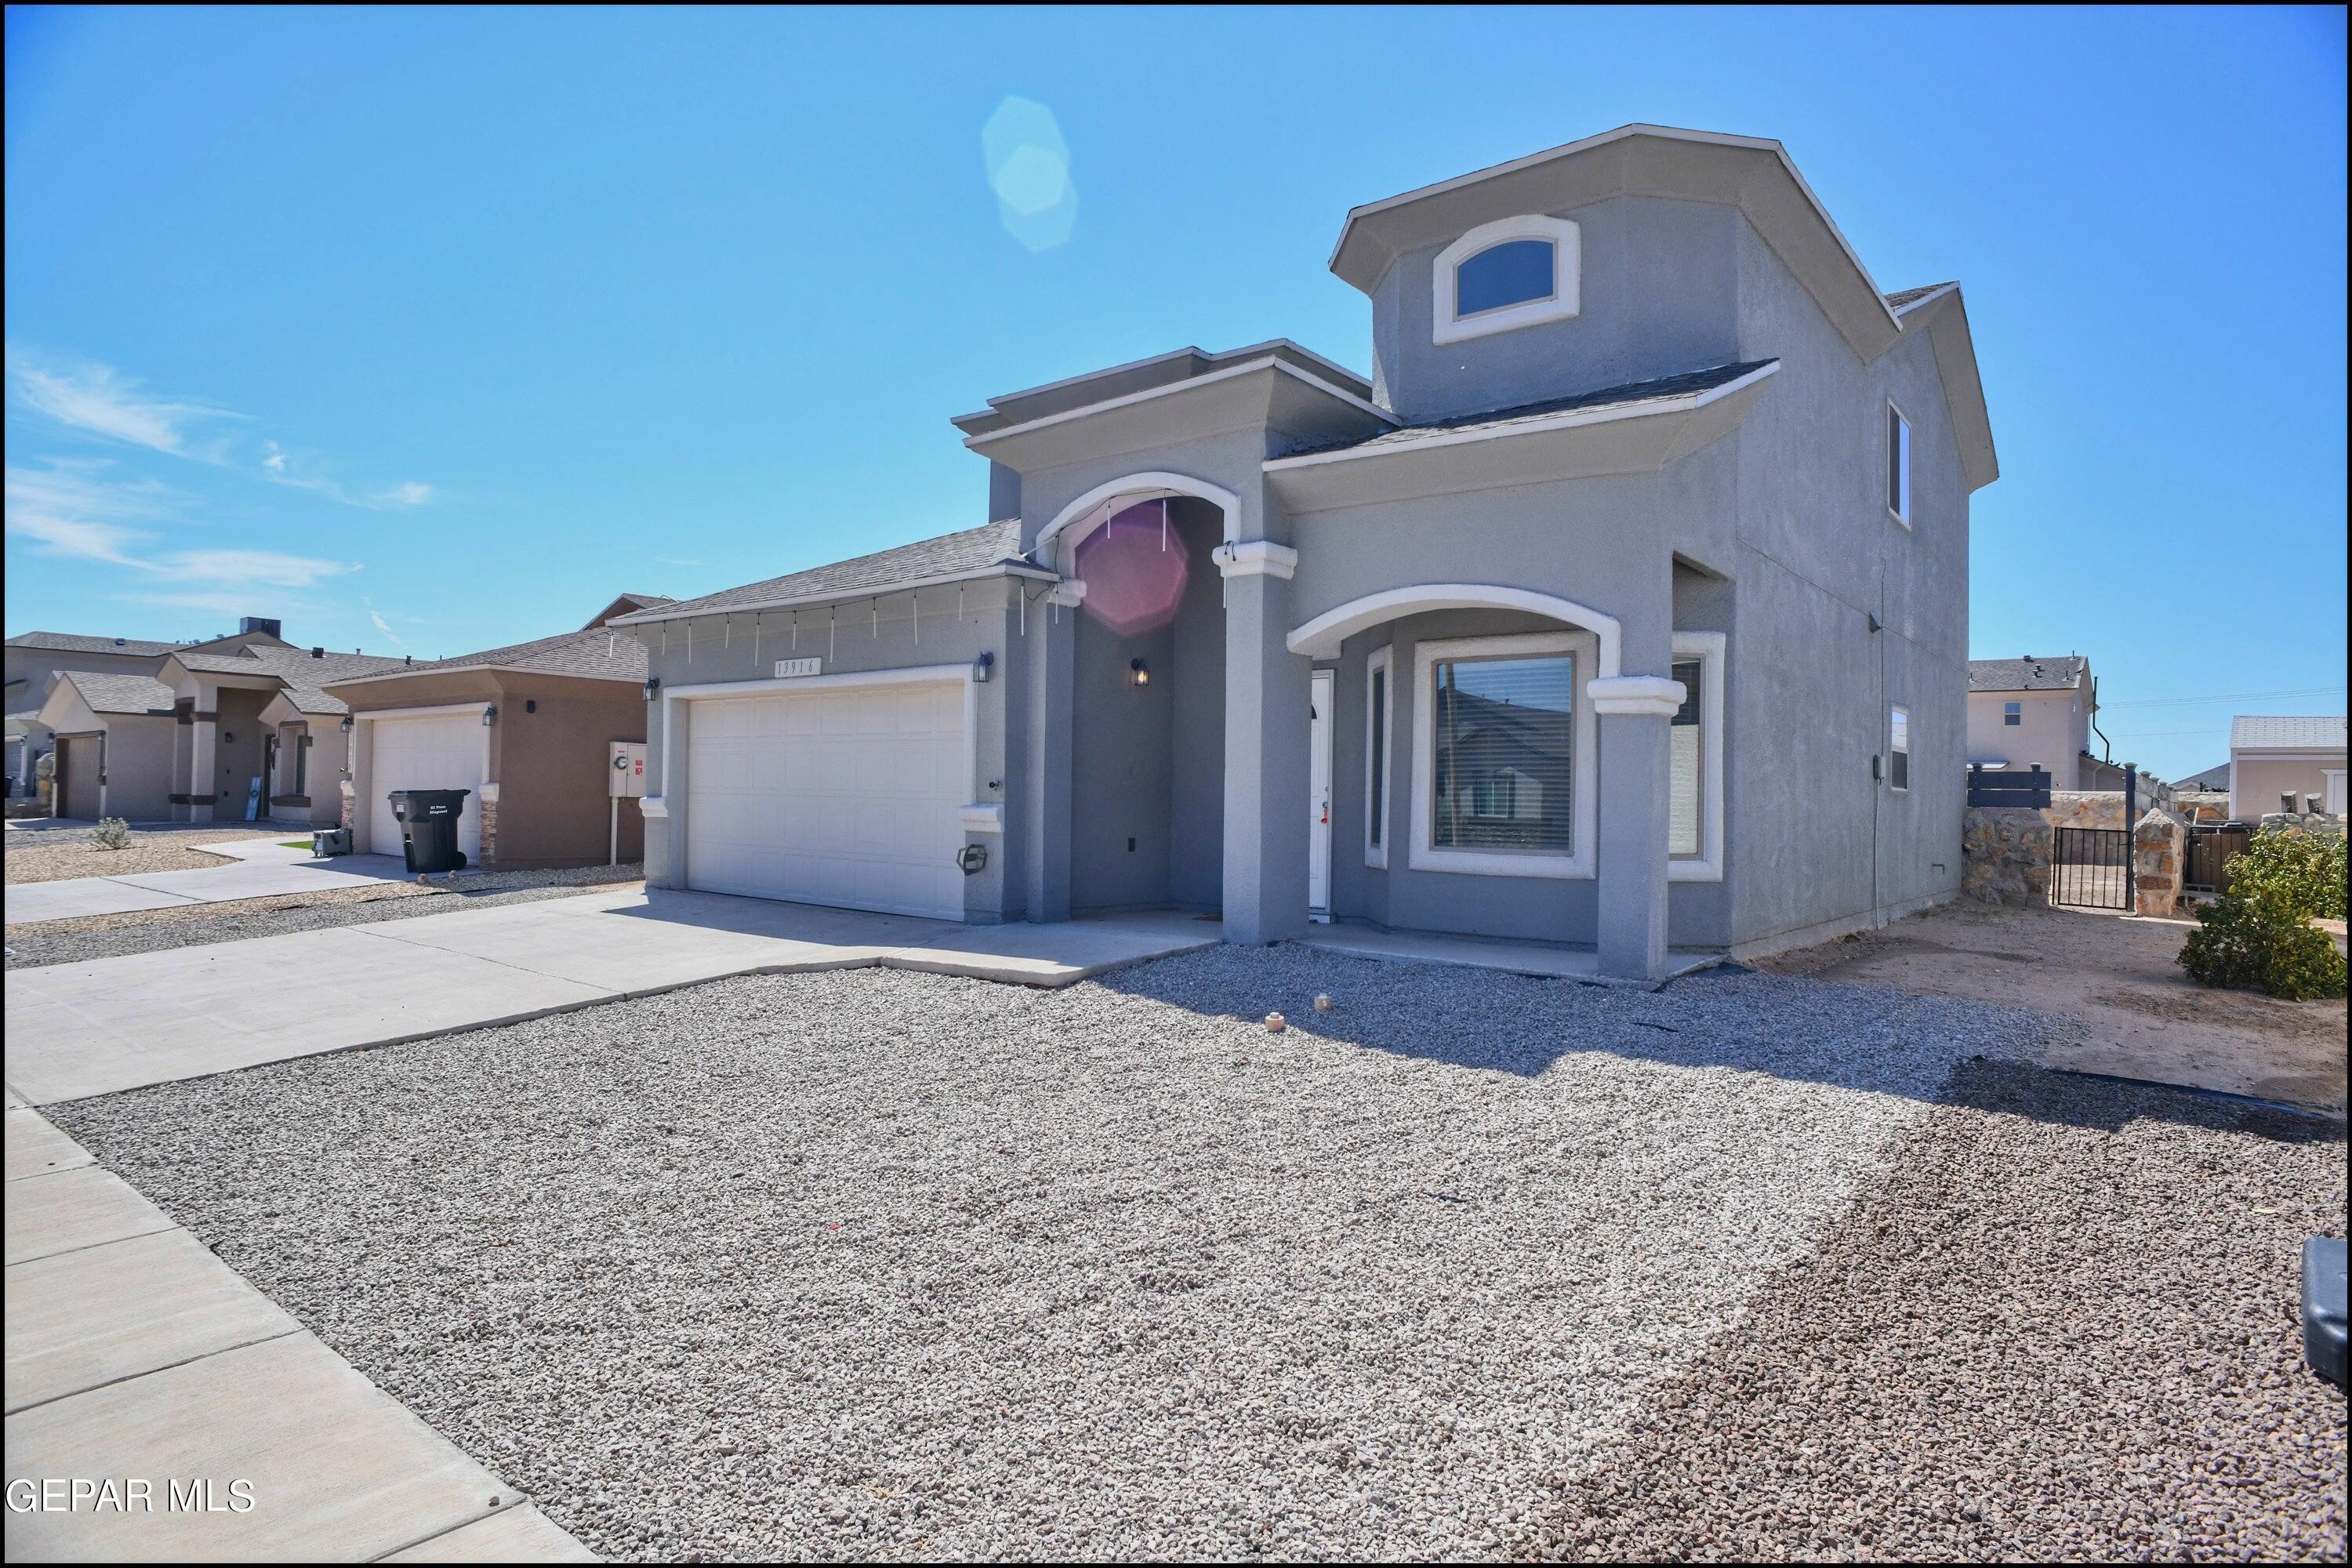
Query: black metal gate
(2091, 866)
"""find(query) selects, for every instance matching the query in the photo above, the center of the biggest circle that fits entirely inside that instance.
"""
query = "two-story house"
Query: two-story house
(2034, 713)
(1624, 604)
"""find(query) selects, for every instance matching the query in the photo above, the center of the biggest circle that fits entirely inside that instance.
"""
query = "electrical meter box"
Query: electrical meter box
(625, 779)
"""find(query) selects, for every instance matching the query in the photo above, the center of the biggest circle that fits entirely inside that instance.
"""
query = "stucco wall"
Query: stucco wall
(2259, 783)
(553, 806)
(238, 737)
(2053, 731)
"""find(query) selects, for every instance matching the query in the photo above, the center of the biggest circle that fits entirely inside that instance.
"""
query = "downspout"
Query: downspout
(2106, 747)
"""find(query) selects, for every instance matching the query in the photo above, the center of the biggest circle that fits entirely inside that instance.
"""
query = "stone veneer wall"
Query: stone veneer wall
(488, 810)
(2158, 864)
(2086, 808)
(2305, 822)
(2202, 805)
(2005, 855)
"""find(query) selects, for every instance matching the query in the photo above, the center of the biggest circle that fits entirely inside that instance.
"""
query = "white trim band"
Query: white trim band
(1635, 696)
(1256, 558)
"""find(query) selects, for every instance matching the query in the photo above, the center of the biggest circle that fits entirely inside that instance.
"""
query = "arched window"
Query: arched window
(1502, 276)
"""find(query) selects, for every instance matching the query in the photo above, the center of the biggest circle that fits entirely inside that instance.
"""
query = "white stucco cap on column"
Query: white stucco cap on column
(1068, 592)
(1635, 696)
(1256, 558)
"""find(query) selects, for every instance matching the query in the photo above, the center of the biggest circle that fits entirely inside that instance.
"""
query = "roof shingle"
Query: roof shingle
(2026, 674)
(2265, 732)
(74, 642)
(595, 653)
(968, 554)
(108, 693)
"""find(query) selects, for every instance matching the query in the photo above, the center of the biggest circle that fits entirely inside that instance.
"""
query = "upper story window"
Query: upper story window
(1502, 276)
(1898, 464)
(2013, 713)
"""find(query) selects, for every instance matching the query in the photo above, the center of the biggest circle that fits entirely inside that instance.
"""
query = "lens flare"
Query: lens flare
(1134, 569)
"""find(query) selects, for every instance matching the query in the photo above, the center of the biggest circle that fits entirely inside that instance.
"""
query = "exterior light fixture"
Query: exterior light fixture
(489, 715)
(653, 686)
(980, 668)
(1140, 672)
(347, 724)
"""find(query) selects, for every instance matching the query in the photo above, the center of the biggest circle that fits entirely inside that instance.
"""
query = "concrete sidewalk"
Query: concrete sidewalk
(261, 868)
(113, 1024)
(135, 1353)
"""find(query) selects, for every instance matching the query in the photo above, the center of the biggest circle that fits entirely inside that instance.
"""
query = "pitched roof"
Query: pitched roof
(594, 653)
(109, 693)
(1902, 297)
(74, 642)
(2267, 732)
(971, 553)
(300, 672)
(2027, 674)
(2215, 777)
(1626, 399)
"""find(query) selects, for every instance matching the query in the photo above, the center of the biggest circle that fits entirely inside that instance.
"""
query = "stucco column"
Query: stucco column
(1636, 778)
(1053, 646)
(1267, 740)
(203, 763)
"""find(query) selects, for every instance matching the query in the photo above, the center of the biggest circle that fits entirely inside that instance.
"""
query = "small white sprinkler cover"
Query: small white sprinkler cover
(1322, 1002)
(1276, 1022)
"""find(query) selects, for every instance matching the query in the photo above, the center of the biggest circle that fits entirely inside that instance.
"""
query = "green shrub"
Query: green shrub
(2258, 936)
(111, 833)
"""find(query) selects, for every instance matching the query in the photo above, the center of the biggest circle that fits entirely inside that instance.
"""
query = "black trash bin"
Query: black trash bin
(428, 827)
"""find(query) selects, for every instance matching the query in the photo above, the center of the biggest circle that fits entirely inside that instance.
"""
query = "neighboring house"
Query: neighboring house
(525, 730)
(2271, 756)
(2037, 713)
(1623, 603)
(2213, 779)
(35, 660)
(246, 734)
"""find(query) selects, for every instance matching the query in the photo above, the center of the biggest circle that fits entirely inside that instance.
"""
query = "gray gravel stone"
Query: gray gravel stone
(875, 1263)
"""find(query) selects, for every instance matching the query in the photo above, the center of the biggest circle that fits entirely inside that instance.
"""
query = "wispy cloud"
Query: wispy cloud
(78, 510)
(98, 400)
(94, 400)
(381, 624)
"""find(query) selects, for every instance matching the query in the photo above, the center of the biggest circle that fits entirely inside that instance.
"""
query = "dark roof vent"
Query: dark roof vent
(406, 659)
(120, 641)
(318, 653)
(252, 624)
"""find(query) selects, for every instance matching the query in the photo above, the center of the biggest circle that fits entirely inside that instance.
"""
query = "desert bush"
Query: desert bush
(2258, 935)
(111, 833)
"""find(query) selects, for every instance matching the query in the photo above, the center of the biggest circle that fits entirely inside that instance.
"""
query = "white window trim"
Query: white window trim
(1892, 709)
(1421, 853)
(1566, 271)
(1887, 437)
(1376, 852)
(1707, 866)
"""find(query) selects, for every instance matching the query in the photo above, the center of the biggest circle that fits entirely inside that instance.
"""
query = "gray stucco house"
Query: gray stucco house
(1624, 604)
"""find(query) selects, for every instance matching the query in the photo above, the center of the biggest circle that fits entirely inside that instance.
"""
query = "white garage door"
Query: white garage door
(441, 753)
(841, 797)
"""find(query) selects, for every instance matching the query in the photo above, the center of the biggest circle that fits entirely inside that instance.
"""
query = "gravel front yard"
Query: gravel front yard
(194, 925)
(881, 1264)
(57, 854)
(2059, 1325)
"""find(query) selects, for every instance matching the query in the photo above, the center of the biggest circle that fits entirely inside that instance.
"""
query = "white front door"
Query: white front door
(843, 796)
(1318, 796)
(445, 751)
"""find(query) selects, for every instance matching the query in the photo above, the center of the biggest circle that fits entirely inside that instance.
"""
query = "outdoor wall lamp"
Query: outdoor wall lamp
(1141, 673)
(653, 686)
(489, 715)
(347, 724)
(980, 667)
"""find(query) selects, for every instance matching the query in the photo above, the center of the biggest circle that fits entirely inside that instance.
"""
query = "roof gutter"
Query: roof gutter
(834, 595)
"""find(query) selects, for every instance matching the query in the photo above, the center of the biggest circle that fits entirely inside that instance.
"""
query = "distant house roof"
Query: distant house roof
(2027, 674)
(74, 642)
(2279, 732)
(1626, 399)
(2216, 777)
(1902, 297)
(974, 553)
(627, 604)
(107, 693)
(593, 653)
(301, 672)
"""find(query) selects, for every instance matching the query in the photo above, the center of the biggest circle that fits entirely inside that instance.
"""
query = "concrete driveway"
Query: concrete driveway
(113, 1024)
(262, 868)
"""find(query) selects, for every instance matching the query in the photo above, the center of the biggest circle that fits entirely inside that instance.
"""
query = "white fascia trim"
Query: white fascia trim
(832, 596)
(1567, 272)
(1080, 517)
(1664, 132)
(1708, 649)
(1247, 368)
(1421, 853)
(1256, 558)
(1688, 404)
(1909, 306)
(1382, 662)
(441, 711)
(995, 404)
(1321, 638)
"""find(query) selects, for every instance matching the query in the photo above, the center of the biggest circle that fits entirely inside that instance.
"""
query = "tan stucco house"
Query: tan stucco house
(2032, 712)
(526, 730)
(2275, 755)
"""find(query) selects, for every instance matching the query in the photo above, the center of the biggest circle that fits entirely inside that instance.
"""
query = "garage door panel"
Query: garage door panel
(440, 753)
(840, 797)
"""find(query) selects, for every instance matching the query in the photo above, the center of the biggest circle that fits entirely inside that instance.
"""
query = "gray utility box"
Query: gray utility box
(2323, 1307)
(326, 841)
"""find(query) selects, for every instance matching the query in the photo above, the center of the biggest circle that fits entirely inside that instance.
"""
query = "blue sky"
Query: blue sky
(428, 332)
